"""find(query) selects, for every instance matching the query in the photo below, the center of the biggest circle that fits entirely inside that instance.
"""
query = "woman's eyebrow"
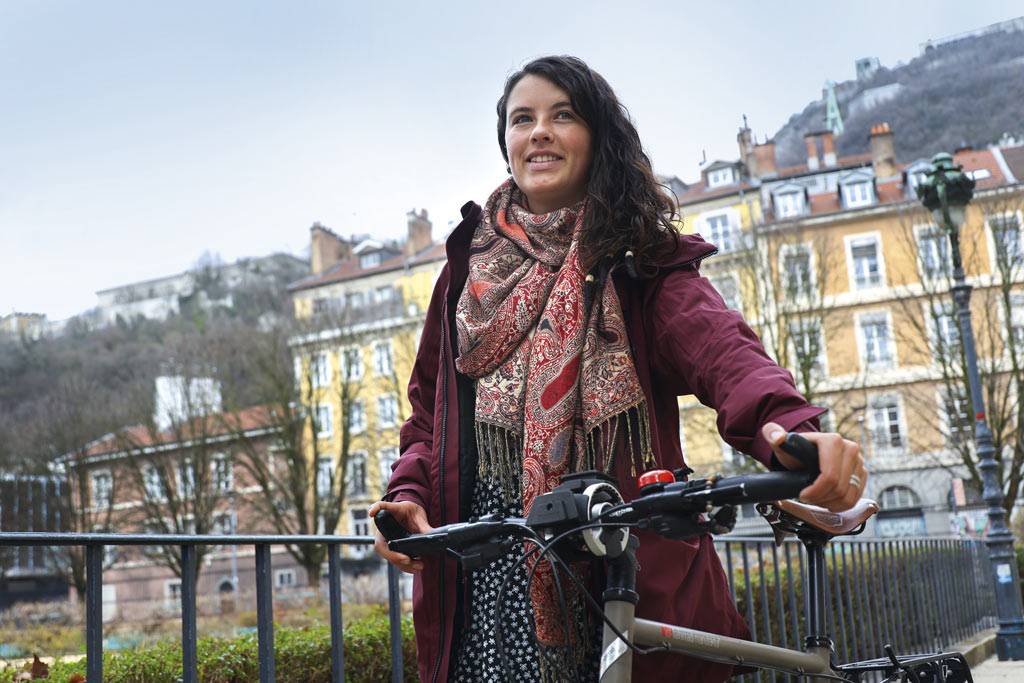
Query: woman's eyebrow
(556, 105)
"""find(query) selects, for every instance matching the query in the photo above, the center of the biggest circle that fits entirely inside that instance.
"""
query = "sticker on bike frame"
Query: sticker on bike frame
(612, 653)
(690, 636)
(1003, 573)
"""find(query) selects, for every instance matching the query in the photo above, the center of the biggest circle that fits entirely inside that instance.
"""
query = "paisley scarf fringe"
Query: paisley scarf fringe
(500, 449)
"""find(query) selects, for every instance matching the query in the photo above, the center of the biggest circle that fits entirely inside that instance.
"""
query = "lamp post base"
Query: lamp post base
(1010, 641)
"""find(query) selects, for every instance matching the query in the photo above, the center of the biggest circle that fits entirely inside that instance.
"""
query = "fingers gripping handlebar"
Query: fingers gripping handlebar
(675, 509)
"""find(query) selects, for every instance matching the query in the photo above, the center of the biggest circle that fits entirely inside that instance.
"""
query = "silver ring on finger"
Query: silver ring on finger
(855, 481)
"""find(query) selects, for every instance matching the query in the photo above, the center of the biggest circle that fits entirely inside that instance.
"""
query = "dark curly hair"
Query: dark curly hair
(629, 210)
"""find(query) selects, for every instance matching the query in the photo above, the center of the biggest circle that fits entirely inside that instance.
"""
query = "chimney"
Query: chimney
(883, 156)
(811, 142)
(326, 248)
(828, 148)
(419, 232)
(746, 144)
(764, 160)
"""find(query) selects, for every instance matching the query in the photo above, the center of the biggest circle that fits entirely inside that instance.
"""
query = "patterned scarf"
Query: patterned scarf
(555, 381)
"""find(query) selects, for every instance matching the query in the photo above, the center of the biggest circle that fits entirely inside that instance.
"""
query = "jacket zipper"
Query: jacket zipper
(444, 514)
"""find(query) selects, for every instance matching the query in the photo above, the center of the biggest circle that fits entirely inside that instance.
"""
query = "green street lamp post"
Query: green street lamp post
(945, 192)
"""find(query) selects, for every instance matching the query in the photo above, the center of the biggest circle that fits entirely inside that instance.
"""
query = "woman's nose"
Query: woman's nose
(541, 130)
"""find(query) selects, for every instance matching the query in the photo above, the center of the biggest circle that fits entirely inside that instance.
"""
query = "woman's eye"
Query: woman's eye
(564, 115)
(522, 118)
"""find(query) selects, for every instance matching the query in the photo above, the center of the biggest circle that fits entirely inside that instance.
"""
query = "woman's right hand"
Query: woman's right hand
(414, 519)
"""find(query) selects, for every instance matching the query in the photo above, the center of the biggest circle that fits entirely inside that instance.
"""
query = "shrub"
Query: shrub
(301, 655)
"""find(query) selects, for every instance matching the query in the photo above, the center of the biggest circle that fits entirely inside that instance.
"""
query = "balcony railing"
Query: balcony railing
(94, 545)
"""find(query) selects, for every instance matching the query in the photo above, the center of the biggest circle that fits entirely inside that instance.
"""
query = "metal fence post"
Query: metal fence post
(94, 612)
(334, 594)
(189, 657)
(264, 614)
(395, 617)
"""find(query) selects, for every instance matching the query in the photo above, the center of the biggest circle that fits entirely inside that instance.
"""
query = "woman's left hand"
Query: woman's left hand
(843, 475)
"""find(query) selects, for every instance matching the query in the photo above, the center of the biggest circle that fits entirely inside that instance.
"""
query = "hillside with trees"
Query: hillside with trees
(966, 93)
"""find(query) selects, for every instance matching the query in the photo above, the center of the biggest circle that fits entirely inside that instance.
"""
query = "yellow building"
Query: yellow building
(846, 279)
(360, 314)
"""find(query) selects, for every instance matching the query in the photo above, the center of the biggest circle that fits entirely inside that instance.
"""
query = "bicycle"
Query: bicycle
(585, 518)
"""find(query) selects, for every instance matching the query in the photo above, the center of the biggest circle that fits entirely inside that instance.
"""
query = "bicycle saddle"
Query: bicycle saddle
(786, 516)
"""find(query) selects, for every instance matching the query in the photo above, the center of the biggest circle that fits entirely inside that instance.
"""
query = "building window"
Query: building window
(857, 194)
(807, 347)
(387, 411)
(223, 523)
(284, 578)
(789, 204)
(186, 480)
(729, 289)
(866, 268)
(223, 476)
(796, 266)
(172, 593)
(382, 366)
(878, 351)
(352, 359)
(386, 457)
(153, 483)
(1017, 317)
(360, 525)
(933, 252)
(356, 417)
(885, 420)
(898, 497)
(320, 370)
(353, 300)
(946, 332)
(369, 260)
(720, 177)
(722, 232)
(385, 295)
(102, 487)
(323, 426)
(958, 414)
(357, 474)
(325, 478)
(1006, 235)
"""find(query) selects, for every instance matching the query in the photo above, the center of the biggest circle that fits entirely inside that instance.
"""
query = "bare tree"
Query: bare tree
(932, 331)
(302, 482)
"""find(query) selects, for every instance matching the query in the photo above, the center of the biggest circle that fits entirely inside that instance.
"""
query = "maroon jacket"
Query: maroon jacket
(685, 341)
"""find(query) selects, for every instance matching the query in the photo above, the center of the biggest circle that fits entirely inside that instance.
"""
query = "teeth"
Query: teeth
(544, 157)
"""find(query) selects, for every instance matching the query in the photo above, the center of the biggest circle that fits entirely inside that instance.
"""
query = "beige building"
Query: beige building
(846, 279)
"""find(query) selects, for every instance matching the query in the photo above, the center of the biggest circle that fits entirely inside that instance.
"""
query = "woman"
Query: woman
(569, 317)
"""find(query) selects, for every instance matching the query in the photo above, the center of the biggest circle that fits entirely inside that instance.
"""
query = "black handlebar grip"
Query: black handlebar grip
(802, 449)
(389, 526)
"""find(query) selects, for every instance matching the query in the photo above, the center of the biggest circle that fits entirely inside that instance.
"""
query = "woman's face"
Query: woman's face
(548, 144)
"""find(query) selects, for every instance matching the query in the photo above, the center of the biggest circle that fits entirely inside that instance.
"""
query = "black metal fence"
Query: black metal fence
(917, 594)
(94, 547)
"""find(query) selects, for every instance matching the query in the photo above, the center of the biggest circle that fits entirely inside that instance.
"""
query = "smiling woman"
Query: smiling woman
(570, 316)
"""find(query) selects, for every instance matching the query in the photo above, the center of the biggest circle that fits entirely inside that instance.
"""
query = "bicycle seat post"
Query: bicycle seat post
(817, 640)
(620, 599)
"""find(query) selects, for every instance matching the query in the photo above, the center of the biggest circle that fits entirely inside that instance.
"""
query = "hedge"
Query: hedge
(301, 655)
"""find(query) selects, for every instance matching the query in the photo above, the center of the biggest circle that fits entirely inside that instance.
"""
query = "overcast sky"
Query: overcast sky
(134, 136)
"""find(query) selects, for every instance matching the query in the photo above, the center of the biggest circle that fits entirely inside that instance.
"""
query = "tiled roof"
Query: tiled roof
(222, 424)
(350, 268)
(698, 193)
(977, 159)
(1014, 158)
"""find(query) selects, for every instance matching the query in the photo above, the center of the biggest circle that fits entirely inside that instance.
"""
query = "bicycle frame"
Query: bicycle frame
(620, 599)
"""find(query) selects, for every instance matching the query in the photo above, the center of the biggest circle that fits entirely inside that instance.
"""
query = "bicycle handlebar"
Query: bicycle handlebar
(673, 509)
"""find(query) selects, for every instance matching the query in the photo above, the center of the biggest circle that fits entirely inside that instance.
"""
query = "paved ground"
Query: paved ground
(992, 670)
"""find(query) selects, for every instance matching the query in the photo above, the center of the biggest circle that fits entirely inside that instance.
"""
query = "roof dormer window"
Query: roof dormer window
(858, 193)
(369, 260)
(721, 176)
(790, 203)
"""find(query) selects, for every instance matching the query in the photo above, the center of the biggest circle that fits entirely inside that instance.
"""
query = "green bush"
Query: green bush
(301, 655)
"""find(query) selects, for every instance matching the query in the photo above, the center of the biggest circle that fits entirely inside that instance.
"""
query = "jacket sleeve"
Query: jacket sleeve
(702, 347)
(410, 477)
